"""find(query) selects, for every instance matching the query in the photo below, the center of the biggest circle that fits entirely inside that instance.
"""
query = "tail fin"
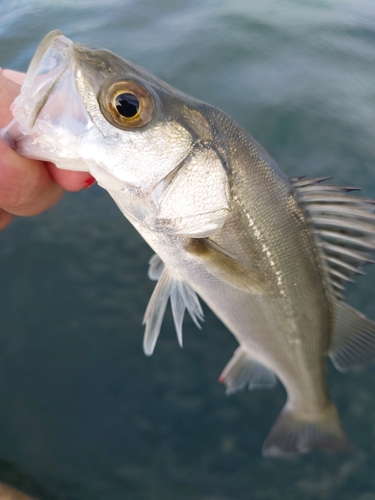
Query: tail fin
(297, 432)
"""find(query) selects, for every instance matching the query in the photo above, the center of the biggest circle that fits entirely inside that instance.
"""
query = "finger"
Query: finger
(5, 219)
(15, 76)
(70, 180)
(26, 188)
(8, 92)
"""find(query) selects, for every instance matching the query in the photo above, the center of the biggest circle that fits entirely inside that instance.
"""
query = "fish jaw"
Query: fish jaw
(49, 117)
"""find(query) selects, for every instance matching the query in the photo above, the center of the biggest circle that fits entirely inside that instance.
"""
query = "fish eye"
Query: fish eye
(126, 104)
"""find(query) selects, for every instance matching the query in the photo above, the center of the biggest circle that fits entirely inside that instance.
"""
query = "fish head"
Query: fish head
(88, 109)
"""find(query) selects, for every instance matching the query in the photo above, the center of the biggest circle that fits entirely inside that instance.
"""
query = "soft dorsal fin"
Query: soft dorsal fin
(344, 226)
(243, 371)
(353, 339)
(182, 297)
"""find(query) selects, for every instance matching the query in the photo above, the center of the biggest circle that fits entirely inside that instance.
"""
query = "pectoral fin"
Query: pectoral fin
(221, 264)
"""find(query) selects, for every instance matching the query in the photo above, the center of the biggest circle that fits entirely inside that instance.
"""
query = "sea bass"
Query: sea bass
(270, 255)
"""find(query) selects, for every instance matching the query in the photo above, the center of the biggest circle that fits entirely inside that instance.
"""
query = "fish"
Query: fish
(270, 255)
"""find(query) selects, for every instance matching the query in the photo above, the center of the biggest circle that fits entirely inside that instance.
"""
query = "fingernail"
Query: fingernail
(89, 182)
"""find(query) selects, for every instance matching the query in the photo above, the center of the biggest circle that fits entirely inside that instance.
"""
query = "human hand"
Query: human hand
(28, 187)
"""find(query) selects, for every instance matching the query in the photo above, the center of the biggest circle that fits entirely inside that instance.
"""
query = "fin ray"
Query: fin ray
(192, 304)
(353, 339)
(178, 309)
(182, 297)
(155, 312)
(344, 227)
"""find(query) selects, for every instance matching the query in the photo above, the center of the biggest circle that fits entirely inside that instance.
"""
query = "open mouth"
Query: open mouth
(52, 63)
(49, 114)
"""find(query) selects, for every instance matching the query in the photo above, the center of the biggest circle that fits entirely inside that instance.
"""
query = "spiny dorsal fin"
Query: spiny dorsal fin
(344, 226)
(243, 371)
(182, 297)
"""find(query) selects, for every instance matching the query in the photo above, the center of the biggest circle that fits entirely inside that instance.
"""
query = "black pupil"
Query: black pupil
(127, 105)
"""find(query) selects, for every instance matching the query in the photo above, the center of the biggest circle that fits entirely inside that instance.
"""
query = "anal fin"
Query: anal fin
(242, 371)
(353, 340)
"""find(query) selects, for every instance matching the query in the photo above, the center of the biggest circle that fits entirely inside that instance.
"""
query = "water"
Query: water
(83, 413)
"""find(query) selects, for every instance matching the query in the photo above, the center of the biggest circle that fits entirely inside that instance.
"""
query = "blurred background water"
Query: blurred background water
(83, 413)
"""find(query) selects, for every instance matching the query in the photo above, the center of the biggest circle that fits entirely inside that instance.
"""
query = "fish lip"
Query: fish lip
(49, 116)
(53, 58)
(40, 52)
(28, 104)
